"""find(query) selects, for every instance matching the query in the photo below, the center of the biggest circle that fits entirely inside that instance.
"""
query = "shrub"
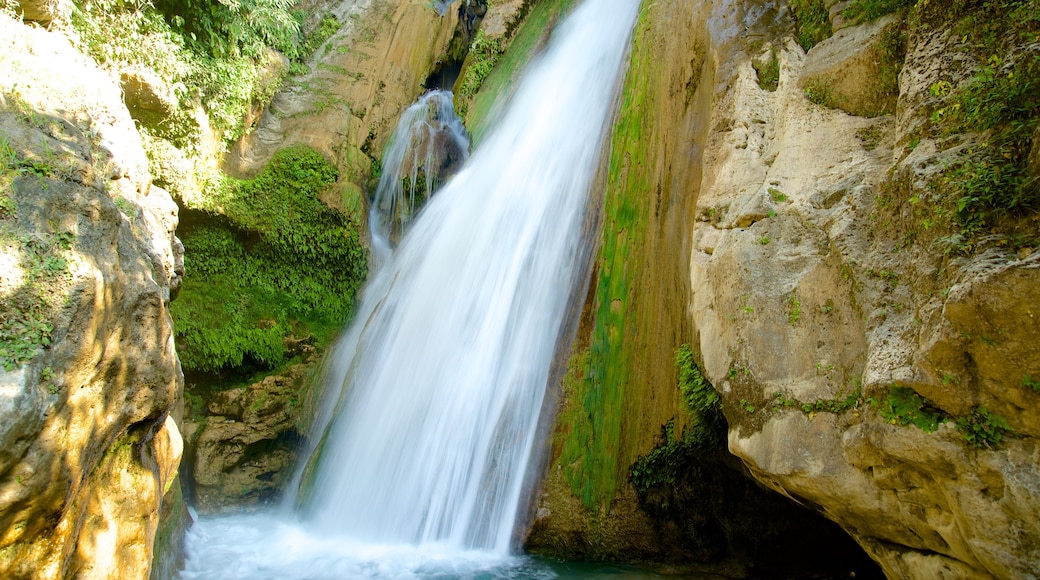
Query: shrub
(812, 22)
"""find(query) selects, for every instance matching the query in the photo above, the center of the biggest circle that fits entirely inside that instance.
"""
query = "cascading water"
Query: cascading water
(427, 147)
(438, 385)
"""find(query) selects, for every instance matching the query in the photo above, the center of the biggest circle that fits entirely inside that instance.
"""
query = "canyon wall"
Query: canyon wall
(90, 387)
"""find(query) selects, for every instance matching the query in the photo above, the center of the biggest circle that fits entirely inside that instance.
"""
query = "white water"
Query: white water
(438, 385)
(428, 142)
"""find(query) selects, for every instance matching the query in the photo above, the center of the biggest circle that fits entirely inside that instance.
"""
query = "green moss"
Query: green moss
(530, 36)
(269, 261)
(812, 22)
(597, 473)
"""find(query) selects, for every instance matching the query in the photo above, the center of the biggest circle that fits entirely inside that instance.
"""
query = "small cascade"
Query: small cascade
(427, 147)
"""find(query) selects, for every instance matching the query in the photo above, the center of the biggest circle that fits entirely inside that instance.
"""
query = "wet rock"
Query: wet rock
(245, 445)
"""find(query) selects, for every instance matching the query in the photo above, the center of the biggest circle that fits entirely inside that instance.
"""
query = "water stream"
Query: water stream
(434, 393)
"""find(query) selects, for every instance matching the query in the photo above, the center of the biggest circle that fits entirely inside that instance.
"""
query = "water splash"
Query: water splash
(438, 385)
(427, 147)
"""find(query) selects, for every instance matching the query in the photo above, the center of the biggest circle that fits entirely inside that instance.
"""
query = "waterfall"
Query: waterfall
(425, 149)
(438, 385)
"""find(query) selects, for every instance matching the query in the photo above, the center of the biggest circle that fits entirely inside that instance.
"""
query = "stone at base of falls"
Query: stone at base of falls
(244, 448)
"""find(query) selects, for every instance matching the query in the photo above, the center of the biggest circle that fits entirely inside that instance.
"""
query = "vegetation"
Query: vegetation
(267, 260)
(983, 429)
(484, 54)
(870, 10)
(838, 404)
(990, 194)
(905, 407)
(668, 461)
(812, 22)
(768, 72)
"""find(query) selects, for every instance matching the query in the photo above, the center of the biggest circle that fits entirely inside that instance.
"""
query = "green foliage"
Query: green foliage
(794, 309)
(768, 72)
(666, 463)
(484, 54)
(702, 401)
(240, 28)
(329, 26)
(1031, 383)
(26, 312)
(281, 262)
(812, 22)
(777, 195)
(676, 455)
(983, 429)
(993, 181)
(905, 407)
(870, 10)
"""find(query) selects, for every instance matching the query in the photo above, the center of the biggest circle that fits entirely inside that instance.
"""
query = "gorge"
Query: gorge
(804, 342)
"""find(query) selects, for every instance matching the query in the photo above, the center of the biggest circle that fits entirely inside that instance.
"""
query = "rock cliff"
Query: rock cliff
(865, 371)
(90, 381)
(806, 220)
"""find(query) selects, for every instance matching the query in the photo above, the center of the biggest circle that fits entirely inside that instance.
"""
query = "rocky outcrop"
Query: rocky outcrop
(620, 401)
(852, 358)
(245, 444)
(864, 373)
(359, 82)
(91, 384)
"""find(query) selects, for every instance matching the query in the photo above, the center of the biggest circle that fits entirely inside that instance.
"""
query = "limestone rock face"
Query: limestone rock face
(849, 69)
(45, 11)
(246, 444)
(809, 290)
(360, 81)
(89, 432)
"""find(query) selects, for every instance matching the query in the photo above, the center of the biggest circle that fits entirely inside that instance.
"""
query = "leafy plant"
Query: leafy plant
(701, 398)
(768, 72)
(794, 309)
(983, 429)
(1031, 383)
(905, 407)
(269, 259)
(26, 312)
(484, 54)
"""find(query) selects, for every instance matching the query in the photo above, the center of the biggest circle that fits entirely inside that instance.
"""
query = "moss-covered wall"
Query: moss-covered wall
(620, 390)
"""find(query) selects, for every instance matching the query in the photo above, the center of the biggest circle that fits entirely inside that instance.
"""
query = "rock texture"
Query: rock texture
(620, 397)
(816, 292)
(245, 445)
(810, 284)
(360, 81)
(88, 425)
